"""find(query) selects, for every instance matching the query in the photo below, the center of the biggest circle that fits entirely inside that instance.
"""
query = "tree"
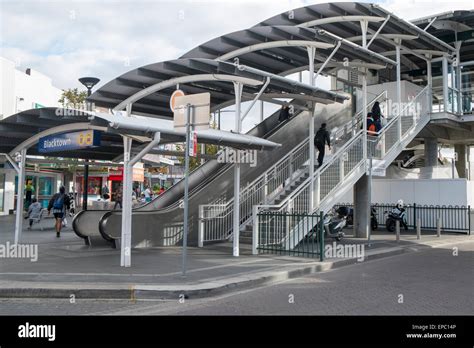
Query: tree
(73, 98)
(195, 162)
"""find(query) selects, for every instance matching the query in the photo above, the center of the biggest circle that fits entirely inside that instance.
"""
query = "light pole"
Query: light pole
(89, 82)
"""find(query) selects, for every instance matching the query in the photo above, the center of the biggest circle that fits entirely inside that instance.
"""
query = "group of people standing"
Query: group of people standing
(374, 119)
(143, 196)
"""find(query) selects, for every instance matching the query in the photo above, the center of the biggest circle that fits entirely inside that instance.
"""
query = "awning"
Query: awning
(23, 130)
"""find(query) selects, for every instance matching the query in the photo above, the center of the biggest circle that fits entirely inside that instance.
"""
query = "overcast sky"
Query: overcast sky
(69, 39)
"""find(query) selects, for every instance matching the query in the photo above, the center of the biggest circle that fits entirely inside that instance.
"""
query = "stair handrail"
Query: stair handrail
(317, 172)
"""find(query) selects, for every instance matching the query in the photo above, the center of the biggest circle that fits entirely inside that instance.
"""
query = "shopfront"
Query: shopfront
(40, 185)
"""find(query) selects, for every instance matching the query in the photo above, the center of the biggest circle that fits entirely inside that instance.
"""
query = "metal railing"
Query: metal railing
(348, 165)
(453, 218)
(328, 179)
(399, 128)
(274, 228)
(216, 220)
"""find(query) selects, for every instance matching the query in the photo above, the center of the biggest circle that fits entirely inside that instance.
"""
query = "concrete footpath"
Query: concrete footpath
(65, 267)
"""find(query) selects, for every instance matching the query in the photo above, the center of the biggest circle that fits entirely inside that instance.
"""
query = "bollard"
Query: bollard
(418, 229)
(438, 227)
(397, 230)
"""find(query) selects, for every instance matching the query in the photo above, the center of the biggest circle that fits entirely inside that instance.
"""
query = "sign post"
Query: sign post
(197, 112)
(189, 109)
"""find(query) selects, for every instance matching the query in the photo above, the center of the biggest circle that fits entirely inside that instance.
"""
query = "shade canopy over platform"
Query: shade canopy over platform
(23, 130)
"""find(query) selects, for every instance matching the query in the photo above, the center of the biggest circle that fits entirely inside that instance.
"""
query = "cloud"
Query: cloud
(69, 39)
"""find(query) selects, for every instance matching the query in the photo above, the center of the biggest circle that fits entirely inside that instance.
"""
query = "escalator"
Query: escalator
(160, 222)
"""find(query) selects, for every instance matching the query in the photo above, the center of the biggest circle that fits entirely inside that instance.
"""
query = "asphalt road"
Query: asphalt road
(429, 282)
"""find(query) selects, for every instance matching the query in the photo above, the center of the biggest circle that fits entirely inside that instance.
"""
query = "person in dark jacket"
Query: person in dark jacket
(377, 116)
(284, 113)
(60, 203)
(320, 140)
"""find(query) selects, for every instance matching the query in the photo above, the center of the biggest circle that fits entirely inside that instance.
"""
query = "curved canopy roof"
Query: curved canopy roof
(278, 46)
(24, 129)
(342, 19)
(282, 59)
(156, 104)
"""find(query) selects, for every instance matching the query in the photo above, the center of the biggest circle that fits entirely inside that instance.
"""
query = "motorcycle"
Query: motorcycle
(396, 214)
(373, 218)
(334, 222)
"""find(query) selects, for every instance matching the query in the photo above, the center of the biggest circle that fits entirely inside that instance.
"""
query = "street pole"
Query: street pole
(89, 83)
(311, 54)
(186, 188)
(85, 187)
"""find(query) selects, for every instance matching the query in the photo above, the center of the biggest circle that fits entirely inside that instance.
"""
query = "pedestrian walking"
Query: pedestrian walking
(105, 192)
(118, 197)
(148, 194)
(377, 116)
(34, 211)
(320, 140)
(60, 204)
(284, 113)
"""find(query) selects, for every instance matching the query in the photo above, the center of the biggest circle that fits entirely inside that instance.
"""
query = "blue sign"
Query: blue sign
(69, 141)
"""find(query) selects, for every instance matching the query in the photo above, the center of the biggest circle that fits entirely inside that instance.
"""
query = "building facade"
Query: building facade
(24, 89)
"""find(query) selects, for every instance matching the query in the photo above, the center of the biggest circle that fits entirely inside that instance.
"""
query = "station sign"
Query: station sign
(69, 141)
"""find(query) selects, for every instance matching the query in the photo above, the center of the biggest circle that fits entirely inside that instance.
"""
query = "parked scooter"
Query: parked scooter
(396, 214)
(334, 222)
(373, 218)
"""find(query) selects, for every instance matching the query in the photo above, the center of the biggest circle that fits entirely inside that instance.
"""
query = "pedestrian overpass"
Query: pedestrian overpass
(360, 46)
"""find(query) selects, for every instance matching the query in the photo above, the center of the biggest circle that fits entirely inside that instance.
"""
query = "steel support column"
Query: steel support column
(126, 237)
(311, 55)
(429, 77)
(458, 79)
(19, 196)
(445, 83)
(238, 87)
(364, 210)
(399, 90)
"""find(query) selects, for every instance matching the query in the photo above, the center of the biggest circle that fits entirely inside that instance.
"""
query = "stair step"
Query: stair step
(246, 234)
(245, 240)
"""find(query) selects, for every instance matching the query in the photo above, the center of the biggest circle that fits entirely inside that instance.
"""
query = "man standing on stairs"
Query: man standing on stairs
(320, 140)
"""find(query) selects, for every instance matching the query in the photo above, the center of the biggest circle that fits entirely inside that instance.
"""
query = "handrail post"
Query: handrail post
(201, 227)
(321, 236)
(316, 193)
(292, 169)
(415, 221)
(255, 230)
(469, 217)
